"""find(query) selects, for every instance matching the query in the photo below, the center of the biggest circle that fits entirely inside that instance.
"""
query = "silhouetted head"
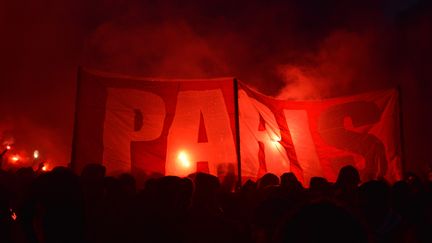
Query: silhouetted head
(168, 193)
(59, 195)
(206, 189)
(400, 196)
(414, 181)
(186, 191)
(25, 172)
(93, 172)
(401, 188)
(112, 187)
(24, 176)
(127, 183)
(227, 178)
(374, 194)
(348, 177)
(288, 179)
(319, 184)
(249, 186)
(206, 183)
(268, 179)
(319, 188)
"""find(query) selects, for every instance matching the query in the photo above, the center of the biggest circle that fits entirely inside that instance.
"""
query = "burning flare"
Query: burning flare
(184, 159)
(275, 140)
(36, 154)
(13, 214)
(15, 158)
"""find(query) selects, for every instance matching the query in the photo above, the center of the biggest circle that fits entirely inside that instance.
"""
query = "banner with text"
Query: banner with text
(177, 127)
(154, 127)
(317, 138)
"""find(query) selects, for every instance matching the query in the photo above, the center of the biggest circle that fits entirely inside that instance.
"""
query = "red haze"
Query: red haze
(292, 49)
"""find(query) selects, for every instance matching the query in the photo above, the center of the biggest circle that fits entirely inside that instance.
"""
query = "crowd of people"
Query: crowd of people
(60, 206)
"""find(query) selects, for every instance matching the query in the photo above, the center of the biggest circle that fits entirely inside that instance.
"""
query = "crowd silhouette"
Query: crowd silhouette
(60, 206)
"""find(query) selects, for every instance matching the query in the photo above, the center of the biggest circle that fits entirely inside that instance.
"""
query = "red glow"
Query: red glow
(275, 140)
(36, 154)
(13, 215)
(183, 159)
(15, 158)
(8, 147)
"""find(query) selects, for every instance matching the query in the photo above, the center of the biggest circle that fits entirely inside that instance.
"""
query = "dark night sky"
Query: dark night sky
(298, 49)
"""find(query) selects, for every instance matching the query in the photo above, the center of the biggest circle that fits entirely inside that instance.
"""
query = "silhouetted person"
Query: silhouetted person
(374, 202)
(268, 179)
(290, 182)
(292, 189)
(23, 207)
(321, 222)
(247, 199)
(92, 181)
(128, 185)
(206, 220)
(348, 178)
(59, 207)
(5, 215)
(401, 199)
(273, 204)
(205, 196)
(116, 206)
(161, 210)
(319, 188)
(346, 185)
(418, 215)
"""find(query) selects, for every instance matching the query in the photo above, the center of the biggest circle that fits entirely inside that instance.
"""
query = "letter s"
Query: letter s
(332, 130)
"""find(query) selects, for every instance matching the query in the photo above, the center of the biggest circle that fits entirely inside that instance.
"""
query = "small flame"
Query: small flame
(184, 159)
(36, 154)
(15, 158)
(45, 168)
(13, 215)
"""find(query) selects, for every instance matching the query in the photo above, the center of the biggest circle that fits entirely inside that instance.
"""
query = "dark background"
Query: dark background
(297, 49)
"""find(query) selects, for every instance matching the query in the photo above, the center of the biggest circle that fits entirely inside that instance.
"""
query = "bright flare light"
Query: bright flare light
(36, 154)
(8, 147)
(275, 141)
(13, 215)
(15, 158)
(45, 168)
(184, 159)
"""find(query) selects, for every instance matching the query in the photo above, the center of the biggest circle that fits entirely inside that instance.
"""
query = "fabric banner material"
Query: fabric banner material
(177, 127)
(317, 138)
(151, 127)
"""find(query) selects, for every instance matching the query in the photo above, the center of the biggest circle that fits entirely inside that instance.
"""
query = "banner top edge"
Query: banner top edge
(96, 72)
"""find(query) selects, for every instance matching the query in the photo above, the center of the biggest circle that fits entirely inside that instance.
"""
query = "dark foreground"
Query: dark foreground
(59, 206)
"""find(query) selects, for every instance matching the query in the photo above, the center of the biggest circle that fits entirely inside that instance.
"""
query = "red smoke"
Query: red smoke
(291, 49)
(346, 61)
